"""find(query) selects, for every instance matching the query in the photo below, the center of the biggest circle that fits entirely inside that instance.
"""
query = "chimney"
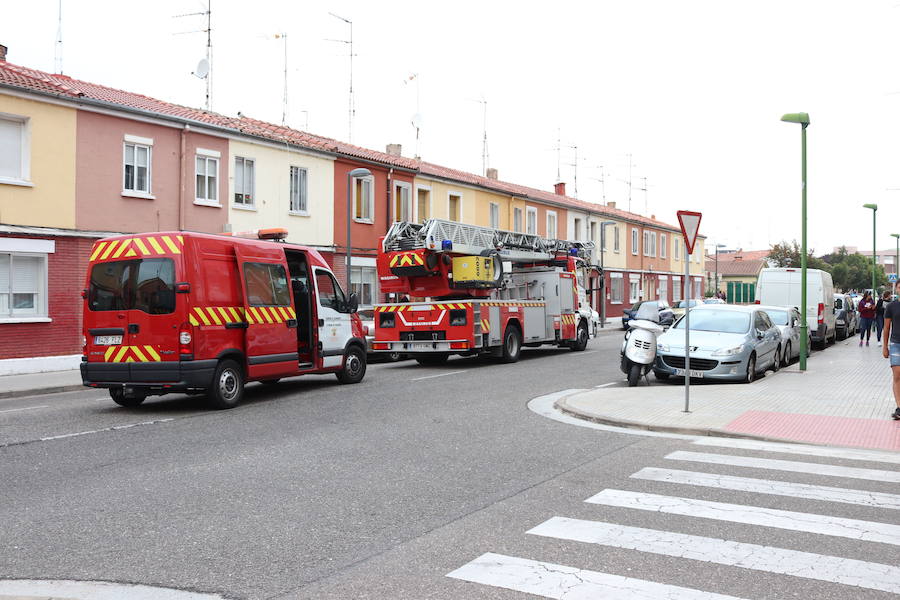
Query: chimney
(491, 173)
(653, 217)
(560, 188)
(3, 52)
(394, 149)
(611, 204)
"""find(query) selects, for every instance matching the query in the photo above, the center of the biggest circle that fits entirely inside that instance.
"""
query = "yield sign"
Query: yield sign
(690, 225)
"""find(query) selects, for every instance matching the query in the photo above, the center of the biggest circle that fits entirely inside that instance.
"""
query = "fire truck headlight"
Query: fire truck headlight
(386, 319)
(457, 317)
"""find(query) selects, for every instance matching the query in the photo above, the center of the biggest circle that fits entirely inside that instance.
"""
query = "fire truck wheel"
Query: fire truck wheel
(512, 344)
(432, 359)
(354, 366)
(581, 338)
(227, 386)
(119, 397)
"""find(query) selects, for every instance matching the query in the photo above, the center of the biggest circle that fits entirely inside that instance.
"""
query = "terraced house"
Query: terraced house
(81, 161)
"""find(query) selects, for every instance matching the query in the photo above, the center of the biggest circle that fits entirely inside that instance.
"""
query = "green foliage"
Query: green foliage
(787, 254)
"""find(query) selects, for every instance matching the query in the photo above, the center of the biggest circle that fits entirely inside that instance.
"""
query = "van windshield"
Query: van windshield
(145, 284)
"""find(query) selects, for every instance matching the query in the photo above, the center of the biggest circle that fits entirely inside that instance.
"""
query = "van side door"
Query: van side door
(271, 339)
(334, 323)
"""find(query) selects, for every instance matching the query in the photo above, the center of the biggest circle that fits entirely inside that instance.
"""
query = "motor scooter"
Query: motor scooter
(639, 347)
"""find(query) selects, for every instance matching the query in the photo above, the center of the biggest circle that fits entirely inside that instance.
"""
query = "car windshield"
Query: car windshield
(636, 306)
(684, 304)
(779, 317)
(648, 311)
(724, 321)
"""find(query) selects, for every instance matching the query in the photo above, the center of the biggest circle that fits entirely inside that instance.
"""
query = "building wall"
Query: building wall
(272, 168)
(103, 205)
(440, 194)
(50, 201)
(482, 213)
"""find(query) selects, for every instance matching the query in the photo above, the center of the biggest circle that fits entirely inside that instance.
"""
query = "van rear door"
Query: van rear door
(271, 340)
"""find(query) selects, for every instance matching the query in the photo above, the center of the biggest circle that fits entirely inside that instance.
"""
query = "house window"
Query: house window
(298, 201)
(634, 242)
(495, 215)
(403, 202)
(662, 245)
(652, 243)
(676, 248)
(577, 229)
(454, 207)
(244, 182)
(362, 282)
(616, 238)
(593, 235)
(664, 289)
(207, 178)
(676, 288)
(423, 204)
(23, 285)
(517, 220)
(137, 166)
(551, 224)
(634, 288)
(617, 288)
(363, 199)
(531, 220)
(14, 149)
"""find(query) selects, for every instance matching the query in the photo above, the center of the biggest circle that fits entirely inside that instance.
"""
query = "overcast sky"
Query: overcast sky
(693, 91)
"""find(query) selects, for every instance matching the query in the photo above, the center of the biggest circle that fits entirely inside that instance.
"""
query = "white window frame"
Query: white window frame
(207, 155)
(634, 284)
(426, 188)
(529, 211)
(30, 248)
(24, 178)
(677, 293)
(613, 278)
(576, 226)
(138, 142)
(302, 192)
(663, 245)
(676, 248)
(646, 242)
(361, 264)
(494, 215)
(616, 243)
(371, 201)
(459, 195)
(555, 233)
(635, 238)
(663, 284)
(410, 209)
(244, 205)
(518, 215)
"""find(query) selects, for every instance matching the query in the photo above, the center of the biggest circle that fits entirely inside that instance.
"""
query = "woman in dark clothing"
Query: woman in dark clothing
(879, 313)
(866, 316)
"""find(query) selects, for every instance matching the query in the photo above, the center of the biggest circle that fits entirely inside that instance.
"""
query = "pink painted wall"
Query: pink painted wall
(100, 205)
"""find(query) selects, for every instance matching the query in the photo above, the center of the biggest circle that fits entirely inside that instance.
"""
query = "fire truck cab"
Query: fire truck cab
(197, 313)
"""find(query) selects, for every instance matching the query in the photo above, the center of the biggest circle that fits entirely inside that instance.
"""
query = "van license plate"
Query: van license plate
(107, 340)
(695, 374)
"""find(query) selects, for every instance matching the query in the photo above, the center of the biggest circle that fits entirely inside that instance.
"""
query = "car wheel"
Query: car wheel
(512, 344)
(634, 374)
(118, 396)
(776, 362)
(786, 357)
(581, 338)
(354, 368)
(227, 386)
(750, 377)
(432, 359)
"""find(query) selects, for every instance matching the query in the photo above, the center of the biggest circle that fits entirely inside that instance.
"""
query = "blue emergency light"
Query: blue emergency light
(573, 251)
(447, 245)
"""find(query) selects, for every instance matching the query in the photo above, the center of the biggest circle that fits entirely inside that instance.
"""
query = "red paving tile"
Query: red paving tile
(820, 429)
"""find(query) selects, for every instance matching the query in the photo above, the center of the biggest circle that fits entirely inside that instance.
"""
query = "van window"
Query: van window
(145, 284)
(267, 284)
(330, 293)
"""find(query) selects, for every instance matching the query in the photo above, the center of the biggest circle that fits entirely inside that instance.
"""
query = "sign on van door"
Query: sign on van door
(334, 326)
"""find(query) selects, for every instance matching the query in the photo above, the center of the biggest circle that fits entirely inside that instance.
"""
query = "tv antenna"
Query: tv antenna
(351, 111)
(284, 99)
(644, 189)
(485, 155)
(417, 119)
(602, 180)
(204, 67)
(58, 62)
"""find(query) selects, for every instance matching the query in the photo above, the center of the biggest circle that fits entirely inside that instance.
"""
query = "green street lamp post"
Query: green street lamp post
(803, 120)
(897, 255)
(874, 208)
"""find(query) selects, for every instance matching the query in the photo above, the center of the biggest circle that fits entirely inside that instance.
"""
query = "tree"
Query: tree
(787, 254)
(854, 272)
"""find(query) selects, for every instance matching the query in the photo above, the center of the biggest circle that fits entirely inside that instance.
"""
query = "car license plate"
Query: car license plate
(420, 346)
(107, 340)
(695, 374)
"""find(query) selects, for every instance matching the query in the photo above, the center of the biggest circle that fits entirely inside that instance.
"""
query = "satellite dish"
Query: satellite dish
(202, 70)
(417, 120)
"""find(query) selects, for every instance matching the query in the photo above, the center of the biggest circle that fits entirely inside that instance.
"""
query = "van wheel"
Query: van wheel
(581, 338)
(354, 366)
(512, 345)
(118, 396)
(227, 388)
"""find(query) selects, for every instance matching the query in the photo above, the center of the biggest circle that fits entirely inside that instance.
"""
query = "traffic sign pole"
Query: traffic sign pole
(689, 222)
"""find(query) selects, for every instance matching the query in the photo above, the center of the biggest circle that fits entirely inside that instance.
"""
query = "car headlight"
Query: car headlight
(662, 347)
(728, 351)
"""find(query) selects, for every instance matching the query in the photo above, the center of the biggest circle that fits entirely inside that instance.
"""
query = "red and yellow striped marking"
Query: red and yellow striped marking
(222, 315)
(151, 245)
(485, 326)
(258, 315)
(521, 304)
(409, 259)
(126, 354)
(568, 319)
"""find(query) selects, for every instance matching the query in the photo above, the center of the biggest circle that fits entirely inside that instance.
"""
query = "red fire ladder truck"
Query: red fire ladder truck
(486, 291)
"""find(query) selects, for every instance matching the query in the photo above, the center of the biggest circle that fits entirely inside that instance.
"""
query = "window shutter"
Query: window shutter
(26, 274)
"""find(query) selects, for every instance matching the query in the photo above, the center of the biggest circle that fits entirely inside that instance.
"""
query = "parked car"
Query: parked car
(727, 343)
(713, 301)
(680, 307)
(666, 317)
(788, 321)
(368, 320)
(846, 317)
(781, 287)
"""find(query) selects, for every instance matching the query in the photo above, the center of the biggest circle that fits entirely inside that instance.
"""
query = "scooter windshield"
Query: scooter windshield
(648, 311)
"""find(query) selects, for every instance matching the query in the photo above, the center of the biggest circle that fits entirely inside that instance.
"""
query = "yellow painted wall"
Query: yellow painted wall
(50, 200)
(483, 200)
(440, 192)
(677, 266)
(273, 177)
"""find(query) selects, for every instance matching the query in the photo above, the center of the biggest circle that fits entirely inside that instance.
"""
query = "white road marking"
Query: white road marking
(80, 433)
(787, 465)
(867, 531)
(603, 385)
(95, 590)
(438, 375)
(9, 410)
(823, 451)
(559, 581)
(725, 552)
(585, 352)
(768, 486)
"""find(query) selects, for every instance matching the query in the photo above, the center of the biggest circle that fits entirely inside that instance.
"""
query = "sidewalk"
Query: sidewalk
(12, 386)
(843, 399)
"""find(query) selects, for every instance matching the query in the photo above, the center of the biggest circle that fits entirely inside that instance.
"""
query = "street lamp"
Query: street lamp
(897, 255)
(717, 266)
(803, 120)
(354, 174)
(603, 225)
(874, 208)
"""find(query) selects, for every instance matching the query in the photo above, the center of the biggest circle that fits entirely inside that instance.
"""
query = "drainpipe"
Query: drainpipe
(182, 177)
(390, 185)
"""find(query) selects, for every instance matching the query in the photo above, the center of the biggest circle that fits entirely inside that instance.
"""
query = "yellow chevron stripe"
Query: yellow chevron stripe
(122, 352)
(292, 312)
(98, 248)
(137, 352)
(257, 318)
(235, 315)
(180, 239)
(153, 354)
(121, 248)
(171, 244)
(213, 315)
(193, 320)
(141, 246)
(155, 244)
(199, 312)
(109, 249)
(394, 261)
(223, 312)
(109, 352)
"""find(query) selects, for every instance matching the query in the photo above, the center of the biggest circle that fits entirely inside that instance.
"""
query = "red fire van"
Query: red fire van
(190, 312)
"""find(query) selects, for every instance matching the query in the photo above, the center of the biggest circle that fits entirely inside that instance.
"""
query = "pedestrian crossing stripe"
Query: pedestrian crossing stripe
(802, 449)
(255, 315)
(150, 245)
(127, 354)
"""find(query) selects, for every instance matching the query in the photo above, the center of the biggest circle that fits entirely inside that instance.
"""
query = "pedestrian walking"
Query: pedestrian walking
(866, 317)
(891, 349)
(879, 312)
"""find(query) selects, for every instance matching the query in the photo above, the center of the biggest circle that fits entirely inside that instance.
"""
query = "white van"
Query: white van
(781, 287)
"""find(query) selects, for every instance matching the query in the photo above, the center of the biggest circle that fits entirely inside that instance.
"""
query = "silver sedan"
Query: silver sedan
(787, 319)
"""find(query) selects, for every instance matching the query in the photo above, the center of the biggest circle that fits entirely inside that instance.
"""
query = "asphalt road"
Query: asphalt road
(377, 490)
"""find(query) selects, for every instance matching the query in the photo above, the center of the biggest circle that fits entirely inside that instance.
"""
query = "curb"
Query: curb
(42, 391)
